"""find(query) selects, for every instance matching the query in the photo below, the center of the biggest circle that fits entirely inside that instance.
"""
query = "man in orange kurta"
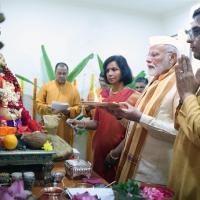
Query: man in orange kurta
(60, 90)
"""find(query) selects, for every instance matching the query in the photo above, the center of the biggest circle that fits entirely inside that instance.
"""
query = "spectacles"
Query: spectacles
(193, 32)
(141, 87)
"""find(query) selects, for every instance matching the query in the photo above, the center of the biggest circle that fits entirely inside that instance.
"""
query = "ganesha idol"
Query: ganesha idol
(12, 111)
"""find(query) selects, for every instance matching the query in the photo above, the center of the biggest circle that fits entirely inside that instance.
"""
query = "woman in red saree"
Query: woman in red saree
(110, 133)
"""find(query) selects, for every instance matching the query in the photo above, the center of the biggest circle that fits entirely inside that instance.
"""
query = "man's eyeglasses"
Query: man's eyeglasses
(193, 32)
(139, 87)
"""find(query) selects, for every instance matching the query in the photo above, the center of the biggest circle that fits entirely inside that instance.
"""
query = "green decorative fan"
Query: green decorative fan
(132, 84)
(73, 74)
(76, 71)
(48, 65)
(100, 63)
(24, 79)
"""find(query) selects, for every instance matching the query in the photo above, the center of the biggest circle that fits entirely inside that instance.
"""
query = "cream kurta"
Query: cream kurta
(185, 171)
(156, 154)
(67, 93)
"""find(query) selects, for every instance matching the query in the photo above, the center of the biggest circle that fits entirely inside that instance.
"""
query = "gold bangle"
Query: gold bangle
(114, 158)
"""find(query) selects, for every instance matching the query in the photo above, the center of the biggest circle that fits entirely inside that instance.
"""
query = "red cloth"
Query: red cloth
(108, 135)
(104, 92)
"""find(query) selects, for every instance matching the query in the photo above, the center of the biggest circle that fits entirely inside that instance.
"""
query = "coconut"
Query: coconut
(34, 140)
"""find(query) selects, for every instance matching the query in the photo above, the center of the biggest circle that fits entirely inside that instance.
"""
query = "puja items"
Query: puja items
(51, 123)
(158, 192)
(52, 193)
(29, 180)
(15, 191)
(57, 177)
(7, 130)
(15, 176)
(85, 195)
(4, 178)
(90, 193)
(138, 191)
(77, 168)
(34, 140)
(38, 161)
(8, 139)
(10, 142)
(61, 148)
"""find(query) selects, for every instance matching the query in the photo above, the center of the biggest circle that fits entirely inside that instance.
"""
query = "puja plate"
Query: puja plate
(100, 104)
(102, 193)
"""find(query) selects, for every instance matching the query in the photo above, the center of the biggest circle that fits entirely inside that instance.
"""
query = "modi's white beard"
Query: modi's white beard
(158, 70)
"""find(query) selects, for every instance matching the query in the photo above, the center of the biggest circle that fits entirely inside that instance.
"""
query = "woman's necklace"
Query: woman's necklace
(116, 92)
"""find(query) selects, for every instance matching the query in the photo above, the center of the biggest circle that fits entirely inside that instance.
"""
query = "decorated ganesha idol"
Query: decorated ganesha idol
(12, 111)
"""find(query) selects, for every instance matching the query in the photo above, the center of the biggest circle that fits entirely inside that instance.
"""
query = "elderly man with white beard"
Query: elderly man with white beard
(150, 133)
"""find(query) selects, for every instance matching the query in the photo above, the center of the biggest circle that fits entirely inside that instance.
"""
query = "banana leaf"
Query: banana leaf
(92, 82)
(132, 84)
(2, 17)
(100, 63)
(24, 79)
(49, 68)
(76, 71)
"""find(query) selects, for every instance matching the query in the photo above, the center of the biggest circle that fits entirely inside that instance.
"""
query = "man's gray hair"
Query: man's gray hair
(171, 48)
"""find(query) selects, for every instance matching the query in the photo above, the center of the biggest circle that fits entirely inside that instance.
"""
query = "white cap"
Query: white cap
(156, 40)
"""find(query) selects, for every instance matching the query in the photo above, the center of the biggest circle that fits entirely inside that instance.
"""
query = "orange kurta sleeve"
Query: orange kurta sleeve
(75, 109)
(191, 112)
(42, 106)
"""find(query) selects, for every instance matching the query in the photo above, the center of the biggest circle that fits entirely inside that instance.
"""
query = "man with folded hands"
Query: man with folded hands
(184, 177)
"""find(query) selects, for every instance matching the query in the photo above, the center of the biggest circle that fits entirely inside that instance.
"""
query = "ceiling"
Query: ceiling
(153, 7)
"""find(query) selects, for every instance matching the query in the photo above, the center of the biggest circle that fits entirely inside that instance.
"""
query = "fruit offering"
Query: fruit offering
(10, 142)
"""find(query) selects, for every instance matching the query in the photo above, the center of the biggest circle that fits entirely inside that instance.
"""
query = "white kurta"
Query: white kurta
(156, 155)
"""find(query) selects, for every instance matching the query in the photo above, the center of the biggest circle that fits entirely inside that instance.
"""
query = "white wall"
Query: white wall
(180, 20)
(71, 30)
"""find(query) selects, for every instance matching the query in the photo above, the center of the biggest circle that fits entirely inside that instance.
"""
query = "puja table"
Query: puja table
(59, 166)
(38, 161)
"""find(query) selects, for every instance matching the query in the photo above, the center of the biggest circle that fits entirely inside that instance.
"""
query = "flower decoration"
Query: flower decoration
(138, 191)
(47, 146)
(11, 100)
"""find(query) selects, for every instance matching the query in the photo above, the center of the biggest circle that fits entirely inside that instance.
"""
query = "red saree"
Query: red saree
(108, 135)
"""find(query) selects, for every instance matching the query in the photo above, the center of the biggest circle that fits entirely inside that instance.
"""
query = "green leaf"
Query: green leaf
(81, 132)
(76, 71)
(24, 79)
(141, 74)
(80, 116)
(2, 17)
(100, 63)
(132, 84)
(128, 191)
(49, 68)
(92, 82)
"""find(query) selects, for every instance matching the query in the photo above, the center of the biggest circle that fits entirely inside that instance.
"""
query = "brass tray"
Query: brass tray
(100, 104)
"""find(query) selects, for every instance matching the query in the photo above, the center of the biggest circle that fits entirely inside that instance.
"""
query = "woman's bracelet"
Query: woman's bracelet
(84, 124)
(113, 157)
